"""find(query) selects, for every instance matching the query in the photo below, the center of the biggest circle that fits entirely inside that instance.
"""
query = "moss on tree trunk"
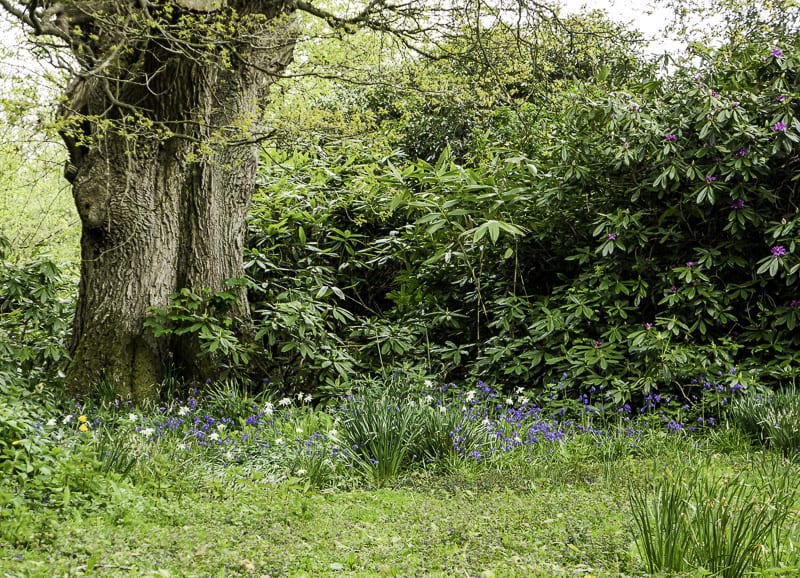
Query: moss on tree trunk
(163, 169)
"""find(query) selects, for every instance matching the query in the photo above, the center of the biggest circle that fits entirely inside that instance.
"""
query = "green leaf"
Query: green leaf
(494, 231)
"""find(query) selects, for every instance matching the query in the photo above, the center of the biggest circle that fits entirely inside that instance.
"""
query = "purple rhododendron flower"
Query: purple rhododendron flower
(742, 152)
(612, 236)
(778, 251)
(776, 53)
(737, 204)
(690, 264)
(779, 126)
(710, 178)
(671, 138)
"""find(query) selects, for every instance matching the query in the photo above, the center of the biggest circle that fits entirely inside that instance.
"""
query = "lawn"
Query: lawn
(270, 491)
(425, 527)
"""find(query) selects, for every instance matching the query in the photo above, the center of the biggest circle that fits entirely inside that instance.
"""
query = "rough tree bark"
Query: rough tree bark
(161, 120)
(162, 164)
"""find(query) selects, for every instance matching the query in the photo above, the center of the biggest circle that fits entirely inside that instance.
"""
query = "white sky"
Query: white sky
(649, 16)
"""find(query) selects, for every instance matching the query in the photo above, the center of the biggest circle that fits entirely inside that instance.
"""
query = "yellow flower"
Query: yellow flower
(83, 419)
(84, 427)
(15, 442)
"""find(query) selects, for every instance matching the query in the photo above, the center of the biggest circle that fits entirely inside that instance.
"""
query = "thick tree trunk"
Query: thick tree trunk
(164, 209)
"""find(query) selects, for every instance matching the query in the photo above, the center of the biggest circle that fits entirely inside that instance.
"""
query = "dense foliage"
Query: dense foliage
(35, 314)
(646, 240)
(542, 291)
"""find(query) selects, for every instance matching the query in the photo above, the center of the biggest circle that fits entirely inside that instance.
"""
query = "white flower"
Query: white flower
(285, 401)
(132, 417)
(229, 456)
(268, 408)
(300, 397)
(442, 409)
(301, 472)
(428, 383)
(278, 441)
(183, 410)
(51, 422)
(333, 434)
(147, 432)
(67, 419)
(428, 398)
(510, 401)
(183, 446)
(470, 395)
(307, 398)
(518, 439)
(522, 400)
(214, 436)
(298, 430)
(519, 390)
(221, 426)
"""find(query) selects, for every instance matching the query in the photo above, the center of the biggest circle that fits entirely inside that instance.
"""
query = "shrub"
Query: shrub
(647, 245)
(35, 317)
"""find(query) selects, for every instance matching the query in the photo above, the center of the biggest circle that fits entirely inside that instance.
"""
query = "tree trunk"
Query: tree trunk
(163, 167)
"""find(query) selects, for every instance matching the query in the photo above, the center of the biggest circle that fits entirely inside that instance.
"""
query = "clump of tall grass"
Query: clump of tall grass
(772, 420)
(381, 433)
(725, 524)
(386, 434)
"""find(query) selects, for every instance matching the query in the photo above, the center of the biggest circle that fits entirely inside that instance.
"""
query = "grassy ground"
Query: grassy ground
(548, 514)
(230, 485)
(496, 525)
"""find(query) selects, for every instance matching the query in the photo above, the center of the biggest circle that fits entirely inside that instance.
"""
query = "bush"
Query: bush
(36, 309)
(647, 245)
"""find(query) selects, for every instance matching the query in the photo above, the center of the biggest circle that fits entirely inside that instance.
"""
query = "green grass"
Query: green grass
(727, 523)
(228, 484)
(428, 526)
(542, 513)
(772, 419)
